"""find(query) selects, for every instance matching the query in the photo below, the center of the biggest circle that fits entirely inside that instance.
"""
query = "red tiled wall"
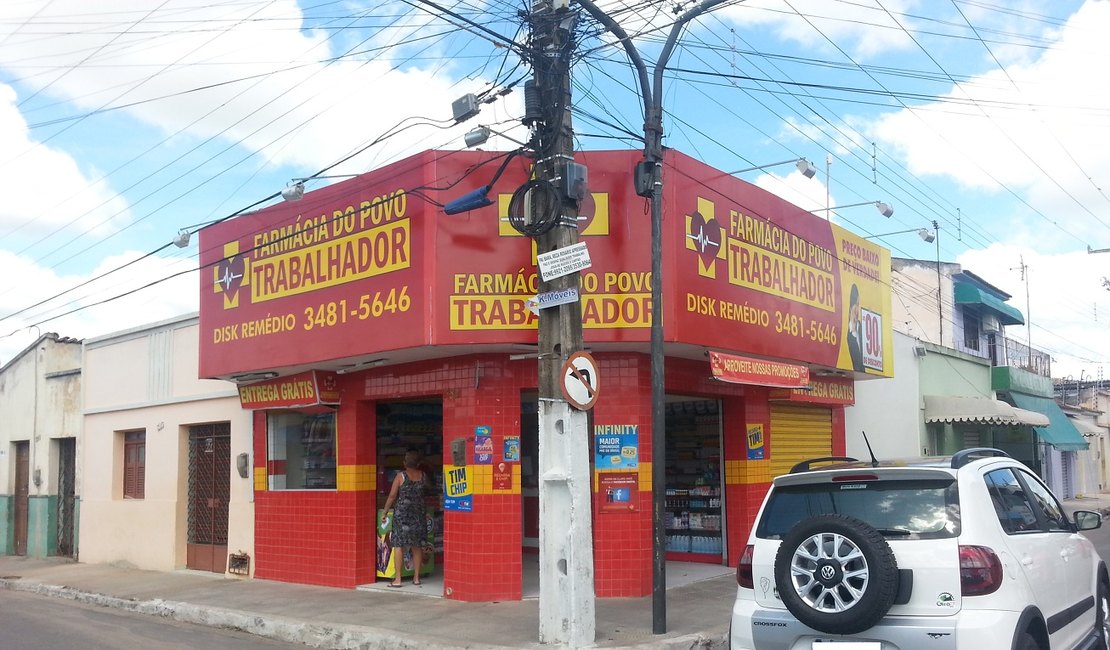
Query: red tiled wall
(623, 541)
(482, 555)
(327, 538)
(839, 442)
(306, 537)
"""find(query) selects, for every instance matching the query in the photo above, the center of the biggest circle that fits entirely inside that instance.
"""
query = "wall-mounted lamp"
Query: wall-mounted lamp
(181, 240)
(294, 191)
(373, 363)
(926, 235)
(805, 167)
(254, 376)
(884, 209)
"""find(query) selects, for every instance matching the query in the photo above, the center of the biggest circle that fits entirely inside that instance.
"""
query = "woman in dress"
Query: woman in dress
(409, 523)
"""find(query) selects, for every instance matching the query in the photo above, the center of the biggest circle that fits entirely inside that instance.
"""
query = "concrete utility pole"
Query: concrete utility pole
(566, 529)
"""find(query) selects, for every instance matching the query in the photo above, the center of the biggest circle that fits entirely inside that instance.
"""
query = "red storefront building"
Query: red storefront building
(361, 321)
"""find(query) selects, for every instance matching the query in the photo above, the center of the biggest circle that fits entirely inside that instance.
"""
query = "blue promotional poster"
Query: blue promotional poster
(483, 446)
(616, 446)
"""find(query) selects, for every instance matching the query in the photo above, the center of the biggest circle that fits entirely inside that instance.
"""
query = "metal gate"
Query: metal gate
(22, 492)
(1067, 459)
(209, 491)
(798, 433)
(67, 464)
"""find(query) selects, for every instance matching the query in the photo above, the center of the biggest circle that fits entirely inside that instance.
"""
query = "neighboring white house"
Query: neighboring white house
(162, 488)
(888, 410)
(40, 423)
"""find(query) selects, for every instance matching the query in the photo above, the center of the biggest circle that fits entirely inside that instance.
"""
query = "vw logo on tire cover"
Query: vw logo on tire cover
(827, 572)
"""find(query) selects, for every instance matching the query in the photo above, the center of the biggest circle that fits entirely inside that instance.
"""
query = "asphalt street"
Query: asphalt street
(33, 622)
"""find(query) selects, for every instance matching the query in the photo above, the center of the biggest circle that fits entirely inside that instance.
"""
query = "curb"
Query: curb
(331, 636)
(315, 635)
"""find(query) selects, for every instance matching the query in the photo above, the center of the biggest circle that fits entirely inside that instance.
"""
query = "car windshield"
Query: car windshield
(924, 509)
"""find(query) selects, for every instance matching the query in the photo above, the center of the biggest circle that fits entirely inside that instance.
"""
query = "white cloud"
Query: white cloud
(45, 188)
(1043, 139)
(292, 104)
(806, 193)
(866, 26)
(173, 297)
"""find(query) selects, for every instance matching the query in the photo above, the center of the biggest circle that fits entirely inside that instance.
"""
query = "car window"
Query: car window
(920, 509)
(1014, 509)
(1023, 504)
(1045, 503)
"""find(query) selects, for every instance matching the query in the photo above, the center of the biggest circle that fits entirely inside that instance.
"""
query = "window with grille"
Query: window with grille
(134, 464)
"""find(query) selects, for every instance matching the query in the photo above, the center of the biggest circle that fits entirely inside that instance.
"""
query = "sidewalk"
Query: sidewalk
(1099, 502)
(407, 619)
(697, 613)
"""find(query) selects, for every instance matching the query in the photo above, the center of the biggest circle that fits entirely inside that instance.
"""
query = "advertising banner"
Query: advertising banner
(458, 489)
(758, 274)
(316, 279)
(755, 441)
(617, 491)
(759, 372)
(310, 388)
(821, 390)
(616, 446)
(372, 264)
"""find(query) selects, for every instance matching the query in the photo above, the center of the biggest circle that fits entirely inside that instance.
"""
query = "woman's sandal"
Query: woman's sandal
(397, 586)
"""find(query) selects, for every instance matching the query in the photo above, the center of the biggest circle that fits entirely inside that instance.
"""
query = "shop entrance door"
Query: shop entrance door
(209, 492)
(67, 462)
(694, 515)
(22, 492)
(402, 426)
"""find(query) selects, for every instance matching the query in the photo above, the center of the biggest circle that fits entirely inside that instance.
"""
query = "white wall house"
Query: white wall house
(888, 410)
(161, 487)
(40, 422)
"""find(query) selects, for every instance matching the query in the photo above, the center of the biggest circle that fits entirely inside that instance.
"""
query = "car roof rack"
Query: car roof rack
(807, 465)
(965, 456)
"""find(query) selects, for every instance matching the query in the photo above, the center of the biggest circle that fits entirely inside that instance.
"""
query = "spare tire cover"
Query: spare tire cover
(836, 574)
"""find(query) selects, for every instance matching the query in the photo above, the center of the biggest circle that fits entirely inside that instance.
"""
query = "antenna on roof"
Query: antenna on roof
(874, 461)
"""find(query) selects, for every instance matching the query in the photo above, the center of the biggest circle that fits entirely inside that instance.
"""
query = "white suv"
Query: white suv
(971, 552)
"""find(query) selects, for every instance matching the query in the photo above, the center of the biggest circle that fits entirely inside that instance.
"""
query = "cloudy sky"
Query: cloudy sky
(123, 124)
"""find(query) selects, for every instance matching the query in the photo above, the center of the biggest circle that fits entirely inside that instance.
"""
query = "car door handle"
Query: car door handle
(1027, 561)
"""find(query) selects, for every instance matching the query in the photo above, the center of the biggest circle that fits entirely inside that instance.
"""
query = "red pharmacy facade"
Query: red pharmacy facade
(361, 322)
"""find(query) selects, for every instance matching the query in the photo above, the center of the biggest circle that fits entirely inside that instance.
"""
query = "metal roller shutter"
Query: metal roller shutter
(798, 433)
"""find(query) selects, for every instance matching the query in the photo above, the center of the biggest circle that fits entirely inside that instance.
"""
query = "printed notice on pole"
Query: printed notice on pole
(563, 261)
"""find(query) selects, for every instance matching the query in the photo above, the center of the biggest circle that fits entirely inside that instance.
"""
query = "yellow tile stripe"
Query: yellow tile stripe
(482, 477)
(356, 478)
(261, 484)
(747, 472)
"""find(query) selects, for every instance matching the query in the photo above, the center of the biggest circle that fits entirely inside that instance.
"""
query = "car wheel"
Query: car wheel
(1102, 616)
(836, 574)
(1027, 642)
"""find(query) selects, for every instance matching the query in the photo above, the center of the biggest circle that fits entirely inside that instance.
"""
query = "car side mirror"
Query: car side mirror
(1086, 520)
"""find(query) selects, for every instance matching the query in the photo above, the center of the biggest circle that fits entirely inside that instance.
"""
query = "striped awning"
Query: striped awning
(956, 408)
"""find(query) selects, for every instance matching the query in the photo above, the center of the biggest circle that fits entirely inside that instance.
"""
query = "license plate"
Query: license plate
(821, 644)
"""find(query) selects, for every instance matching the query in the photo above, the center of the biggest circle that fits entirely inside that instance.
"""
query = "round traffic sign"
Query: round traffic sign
(580, 381)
